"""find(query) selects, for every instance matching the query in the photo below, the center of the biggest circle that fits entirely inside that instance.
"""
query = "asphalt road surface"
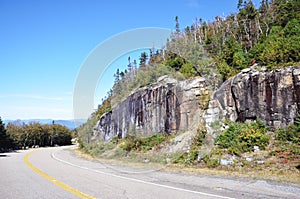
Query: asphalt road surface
(59, 173)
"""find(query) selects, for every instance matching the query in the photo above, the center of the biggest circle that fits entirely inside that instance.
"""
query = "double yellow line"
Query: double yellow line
(55, 181)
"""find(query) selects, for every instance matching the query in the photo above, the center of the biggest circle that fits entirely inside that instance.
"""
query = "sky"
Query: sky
(44, 44)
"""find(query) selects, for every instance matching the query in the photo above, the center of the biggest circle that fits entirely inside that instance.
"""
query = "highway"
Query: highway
(58, 173)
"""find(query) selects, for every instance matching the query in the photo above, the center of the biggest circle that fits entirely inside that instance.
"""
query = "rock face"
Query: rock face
(167, 106)
(273, 97)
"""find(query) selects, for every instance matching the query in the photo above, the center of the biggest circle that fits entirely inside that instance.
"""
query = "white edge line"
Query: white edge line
(137, 180)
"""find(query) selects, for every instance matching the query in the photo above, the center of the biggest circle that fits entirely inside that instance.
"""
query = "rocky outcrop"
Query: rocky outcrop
(167, 106)
(273, 97)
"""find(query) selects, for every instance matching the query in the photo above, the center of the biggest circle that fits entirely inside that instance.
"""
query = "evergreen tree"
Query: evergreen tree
(143, 58)
(5, 141)
(177, 26)
(129, 66)
(117, 76)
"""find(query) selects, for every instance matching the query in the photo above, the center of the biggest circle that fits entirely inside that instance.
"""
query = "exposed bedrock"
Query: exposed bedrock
(273, 97)
(167, 106)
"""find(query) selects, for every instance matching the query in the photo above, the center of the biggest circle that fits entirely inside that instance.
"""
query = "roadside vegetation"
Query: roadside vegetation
(243, 149)
(18, 135)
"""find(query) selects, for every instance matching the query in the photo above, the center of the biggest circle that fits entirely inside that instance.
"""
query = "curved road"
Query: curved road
(58, 173)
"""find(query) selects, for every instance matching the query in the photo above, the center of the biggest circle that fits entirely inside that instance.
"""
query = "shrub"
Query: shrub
(290, 134)
(213, 162)
(132, 143)
(242, 137)
(197, 142)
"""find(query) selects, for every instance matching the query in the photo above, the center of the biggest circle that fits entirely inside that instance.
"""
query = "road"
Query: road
(59, 173)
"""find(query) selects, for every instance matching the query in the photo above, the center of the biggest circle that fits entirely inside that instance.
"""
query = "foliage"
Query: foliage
(287, 142)
(105, 107)
(237, 40)
(289, 134)
(144, 144)
(242, 137)
(5, 141)
(211, 162)
(281, 46)
(197, 142)
(144, 76)
(85, 131)
(36, 134)
(188, 71)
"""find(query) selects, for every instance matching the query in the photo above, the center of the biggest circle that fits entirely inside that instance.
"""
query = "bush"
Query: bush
(289, 134)
(213, 162)
(197, 142)
(132, 143)
(242, 137)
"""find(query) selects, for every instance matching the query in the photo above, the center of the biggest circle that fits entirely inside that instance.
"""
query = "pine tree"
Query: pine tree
(143, 58)
(5, 141)
(177, 26)
(117, 76)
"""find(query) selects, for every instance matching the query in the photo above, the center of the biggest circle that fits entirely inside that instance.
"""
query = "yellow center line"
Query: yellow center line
(55, 181)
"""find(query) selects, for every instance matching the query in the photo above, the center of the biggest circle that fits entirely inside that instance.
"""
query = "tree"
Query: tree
(16, 131)
(129, 66)
(281, 45)
(177, 26)
(122, 74)
(34, 134)
(5, 140)
(283, 11)
(117, 76)
(143, 58)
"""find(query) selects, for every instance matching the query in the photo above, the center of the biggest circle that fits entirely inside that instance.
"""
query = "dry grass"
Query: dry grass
(274, 172)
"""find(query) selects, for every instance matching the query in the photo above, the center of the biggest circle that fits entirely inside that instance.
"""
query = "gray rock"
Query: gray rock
(225, 162)
(256, 148)
(246, 70)
(167, 106)
(260, 162)
(273, 97)
(249, 159)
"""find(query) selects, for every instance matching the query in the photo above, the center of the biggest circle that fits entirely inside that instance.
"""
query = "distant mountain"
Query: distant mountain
(70, 124)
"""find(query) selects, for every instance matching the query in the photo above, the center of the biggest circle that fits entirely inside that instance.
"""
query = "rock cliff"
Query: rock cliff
(273, 97)
(167, 106)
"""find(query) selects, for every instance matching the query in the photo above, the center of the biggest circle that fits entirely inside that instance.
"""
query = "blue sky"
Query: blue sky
(43, 44)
